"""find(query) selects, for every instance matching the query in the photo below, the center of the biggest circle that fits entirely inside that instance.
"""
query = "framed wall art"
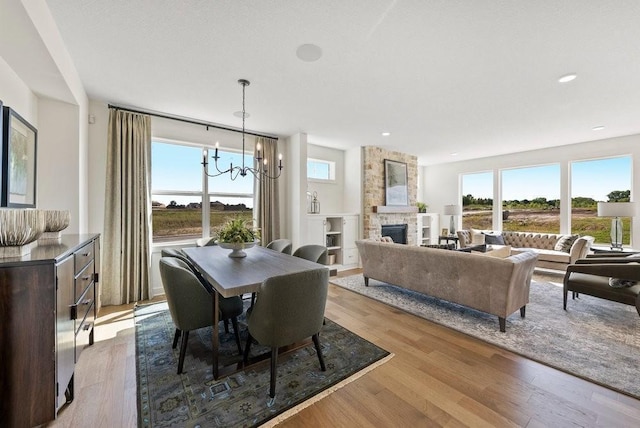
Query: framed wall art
(19, 143)
(395, 183)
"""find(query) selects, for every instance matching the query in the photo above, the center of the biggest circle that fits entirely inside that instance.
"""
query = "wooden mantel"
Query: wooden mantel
(387, 209)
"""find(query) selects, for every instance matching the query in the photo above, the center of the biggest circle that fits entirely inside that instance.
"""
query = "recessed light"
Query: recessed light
(597, 128)
(386, 134)
(567, 78)
(309, 52)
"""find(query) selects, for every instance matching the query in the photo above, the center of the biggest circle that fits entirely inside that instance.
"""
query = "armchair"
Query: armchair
(314, 253)
(591, 276)
(289, 308)
(281, 245)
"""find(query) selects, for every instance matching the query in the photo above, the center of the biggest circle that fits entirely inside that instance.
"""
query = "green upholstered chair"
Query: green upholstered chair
(281, 245)
(190, 303)
(314, 253)
(288, 309)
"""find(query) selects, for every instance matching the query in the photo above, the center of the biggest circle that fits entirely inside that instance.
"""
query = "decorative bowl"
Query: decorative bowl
(18, 229)
(237, 247)
(55, 222)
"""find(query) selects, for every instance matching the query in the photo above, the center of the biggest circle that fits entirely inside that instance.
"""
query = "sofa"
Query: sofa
(498, 286)
(555, 251)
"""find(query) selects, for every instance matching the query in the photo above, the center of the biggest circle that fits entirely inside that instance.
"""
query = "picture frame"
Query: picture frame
(19, 152)
(444, 232)
(396, 183)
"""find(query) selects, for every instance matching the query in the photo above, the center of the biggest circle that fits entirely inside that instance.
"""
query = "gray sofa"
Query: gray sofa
(498, 286)
(552, 254)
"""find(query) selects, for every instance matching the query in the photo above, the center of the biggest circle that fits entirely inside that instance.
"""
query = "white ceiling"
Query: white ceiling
(477, 77)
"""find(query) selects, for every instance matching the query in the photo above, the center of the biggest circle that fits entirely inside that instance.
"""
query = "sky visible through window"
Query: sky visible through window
(590, 179)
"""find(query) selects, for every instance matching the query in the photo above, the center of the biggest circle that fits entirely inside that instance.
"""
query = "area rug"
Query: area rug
(194, 399)
(594, 339)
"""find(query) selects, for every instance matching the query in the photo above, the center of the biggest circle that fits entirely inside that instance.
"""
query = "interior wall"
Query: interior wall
(441, 183)
(16, 94)
(330, 194)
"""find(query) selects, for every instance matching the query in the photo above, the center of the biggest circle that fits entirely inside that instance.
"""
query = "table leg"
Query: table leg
(215, 337)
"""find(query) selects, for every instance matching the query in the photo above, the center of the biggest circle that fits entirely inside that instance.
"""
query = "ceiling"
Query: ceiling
(476, 78)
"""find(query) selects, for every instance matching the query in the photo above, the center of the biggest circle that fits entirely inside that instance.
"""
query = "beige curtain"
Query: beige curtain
(267, 202)
(127, 241)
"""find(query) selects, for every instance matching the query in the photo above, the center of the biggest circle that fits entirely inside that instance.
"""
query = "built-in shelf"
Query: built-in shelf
(385, 209)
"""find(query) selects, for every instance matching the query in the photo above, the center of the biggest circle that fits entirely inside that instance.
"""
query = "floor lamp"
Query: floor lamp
(616, 210)
(452, 210)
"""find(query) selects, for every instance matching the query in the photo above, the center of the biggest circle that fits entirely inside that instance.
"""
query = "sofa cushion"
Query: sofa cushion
(477, 237)
(491, 239)
(497, 251)
(565, 243)
(552, 255)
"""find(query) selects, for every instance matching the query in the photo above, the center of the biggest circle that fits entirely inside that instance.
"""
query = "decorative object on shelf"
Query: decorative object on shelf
(444, 232)
(452, 210)
(328, 226)
(19, 142)
(315, 204)
(395, 183)
(19, 229)
(616, 210)
(261, 171)
(309, 199)
(237, 235)
(55, 222)
(422, 207)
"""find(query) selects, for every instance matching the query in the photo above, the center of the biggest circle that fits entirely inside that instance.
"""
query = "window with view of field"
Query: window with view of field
(179, 192)
(477, 200)
(599, 180)
(531, 199)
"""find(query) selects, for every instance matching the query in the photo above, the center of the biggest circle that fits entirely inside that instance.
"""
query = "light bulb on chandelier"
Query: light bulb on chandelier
(260, 171)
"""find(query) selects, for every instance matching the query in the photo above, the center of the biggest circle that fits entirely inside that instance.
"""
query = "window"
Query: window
(178, 196)
(477, 200)
(599, 180)
(321, 170)
(531, 199)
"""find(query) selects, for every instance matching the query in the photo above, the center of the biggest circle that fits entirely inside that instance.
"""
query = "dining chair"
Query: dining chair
(190, 304)
(312, 252)
(205, 242)
(281, 245)
(288, 309)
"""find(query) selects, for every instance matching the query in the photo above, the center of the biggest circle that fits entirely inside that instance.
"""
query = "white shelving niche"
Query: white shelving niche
(338, 232)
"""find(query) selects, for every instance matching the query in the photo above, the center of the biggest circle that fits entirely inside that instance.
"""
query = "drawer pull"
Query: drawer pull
(86, 327)
(86, 278)
(87, 302)
(73, 312)
(85, 254)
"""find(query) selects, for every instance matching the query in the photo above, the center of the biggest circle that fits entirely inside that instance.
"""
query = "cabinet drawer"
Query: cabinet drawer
(350, 256)
(84, 307)
(84, 333)
(84, 278)
(83, 257)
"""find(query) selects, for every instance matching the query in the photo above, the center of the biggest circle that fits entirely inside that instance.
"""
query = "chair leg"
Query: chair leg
(253, 298)
(183, 351)
(226, 326)
(236, 332)
(523, 311)
(246, 348)
(503, 324)
(316, 342)
(274, 365)
(175, 338)
(564, 299)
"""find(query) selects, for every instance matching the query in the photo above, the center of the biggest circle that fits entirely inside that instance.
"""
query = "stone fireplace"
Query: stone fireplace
(397, 232)
(375, 214)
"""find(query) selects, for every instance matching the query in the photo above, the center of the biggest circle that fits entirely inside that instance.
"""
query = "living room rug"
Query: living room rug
(242, 399)
(594, 339)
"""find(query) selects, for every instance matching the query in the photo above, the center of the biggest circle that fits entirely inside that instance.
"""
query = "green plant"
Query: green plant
(237, 230)
(422, 207)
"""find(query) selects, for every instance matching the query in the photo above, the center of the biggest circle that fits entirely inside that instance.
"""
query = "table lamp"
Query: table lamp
(616, 210)
(452, 210)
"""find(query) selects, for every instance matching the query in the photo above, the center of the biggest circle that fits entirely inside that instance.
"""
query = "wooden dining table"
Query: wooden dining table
(231, 276)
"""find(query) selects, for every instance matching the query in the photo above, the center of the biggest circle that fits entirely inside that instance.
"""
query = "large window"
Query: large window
(531, 199)
(599, 180)
(477, 200)
(178, 194)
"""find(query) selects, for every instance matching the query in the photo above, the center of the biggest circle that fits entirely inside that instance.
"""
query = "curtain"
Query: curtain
(127, 240)
(267, 202)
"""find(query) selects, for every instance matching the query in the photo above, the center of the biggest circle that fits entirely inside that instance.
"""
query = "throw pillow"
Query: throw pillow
(501, 253)
(493, 239)
(477, 237)
(621, 283)
(565, 243)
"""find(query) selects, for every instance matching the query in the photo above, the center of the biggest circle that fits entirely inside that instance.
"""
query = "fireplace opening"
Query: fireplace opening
(397, 232)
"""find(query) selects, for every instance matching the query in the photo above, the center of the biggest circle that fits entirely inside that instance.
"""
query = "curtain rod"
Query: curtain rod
(191, 121)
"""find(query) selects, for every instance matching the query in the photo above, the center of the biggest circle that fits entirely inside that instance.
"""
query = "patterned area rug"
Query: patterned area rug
(194, 399)
(594, 339)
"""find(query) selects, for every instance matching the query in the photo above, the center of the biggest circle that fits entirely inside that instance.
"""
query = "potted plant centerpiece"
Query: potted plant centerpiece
(237, 235)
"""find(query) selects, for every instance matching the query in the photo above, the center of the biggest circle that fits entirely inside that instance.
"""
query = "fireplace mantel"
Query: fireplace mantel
(386, 209)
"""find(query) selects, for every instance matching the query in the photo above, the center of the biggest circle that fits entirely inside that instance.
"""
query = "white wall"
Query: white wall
(330, 194)
(16, 94)
(441, 183)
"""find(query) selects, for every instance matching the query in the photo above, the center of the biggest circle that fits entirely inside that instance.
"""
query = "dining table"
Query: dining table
(235, 276)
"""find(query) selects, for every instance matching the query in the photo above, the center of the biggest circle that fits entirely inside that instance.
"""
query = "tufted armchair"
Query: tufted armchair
(289, 308)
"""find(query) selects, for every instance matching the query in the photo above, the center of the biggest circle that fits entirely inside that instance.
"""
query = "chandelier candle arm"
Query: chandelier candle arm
(260, 171)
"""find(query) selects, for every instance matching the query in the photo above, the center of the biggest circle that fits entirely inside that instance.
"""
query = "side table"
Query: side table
(448, 238)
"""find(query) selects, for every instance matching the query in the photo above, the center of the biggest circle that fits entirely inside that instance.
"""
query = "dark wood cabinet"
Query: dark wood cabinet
(47, 312)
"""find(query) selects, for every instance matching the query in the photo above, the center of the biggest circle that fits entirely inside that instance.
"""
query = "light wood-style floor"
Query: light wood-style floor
(438, 377)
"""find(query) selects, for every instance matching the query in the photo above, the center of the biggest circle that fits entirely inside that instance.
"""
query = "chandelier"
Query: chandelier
(260, 171)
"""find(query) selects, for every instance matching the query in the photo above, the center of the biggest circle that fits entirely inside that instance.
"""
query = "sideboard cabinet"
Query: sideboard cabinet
(47, 313)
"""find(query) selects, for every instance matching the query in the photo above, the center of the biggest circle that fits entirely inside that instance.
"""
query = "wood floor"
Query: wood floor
(437, 377)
